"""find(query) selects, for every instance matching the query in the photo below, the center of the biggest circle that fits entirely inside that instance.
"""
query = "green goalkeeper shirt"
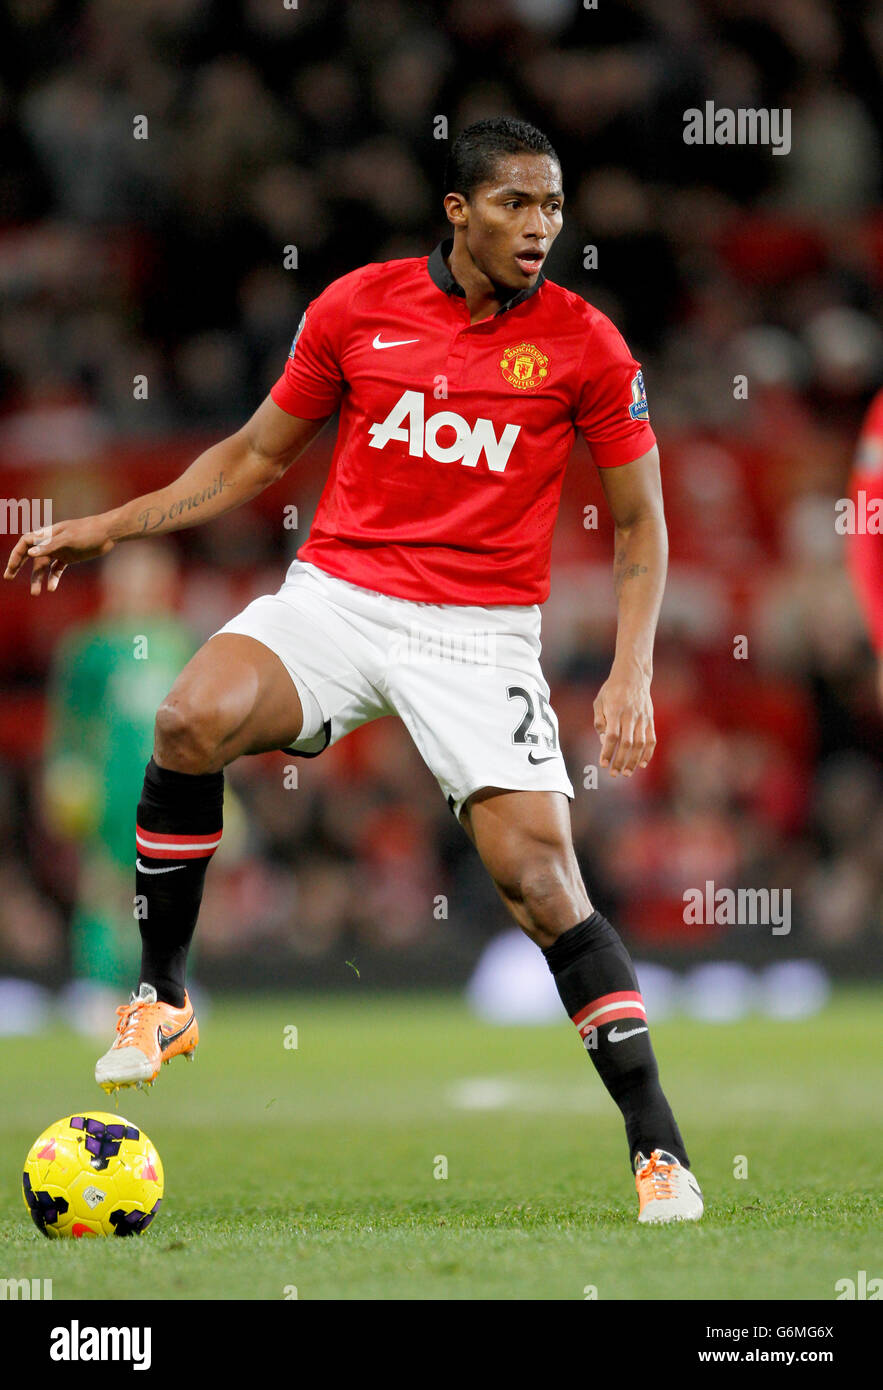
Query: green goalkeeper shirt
(108, 679)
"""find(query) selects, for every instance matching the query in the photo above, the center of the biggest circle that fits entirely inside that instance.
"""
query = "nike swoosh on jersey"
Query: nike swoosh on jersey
(536, 761)
(144, 869)
(402, 343)
(615, 1036)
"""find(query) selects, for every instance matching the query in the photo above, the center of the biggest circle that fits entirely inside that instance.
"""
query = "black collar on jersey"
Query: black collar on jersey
(442, 277)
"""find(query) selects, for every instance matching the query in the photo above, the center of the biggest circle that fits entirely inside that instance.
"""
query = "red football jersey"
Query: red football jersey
(864, 541)
(454, 437)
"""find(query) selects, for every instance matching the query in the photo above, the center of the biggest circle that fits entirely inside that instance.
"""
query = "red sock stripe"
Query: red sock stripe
(625, 1003)
(156, 844)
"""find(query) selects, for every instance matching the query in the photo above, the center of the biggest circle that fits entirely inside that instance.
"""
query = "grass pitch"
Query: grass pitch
(320, 1168)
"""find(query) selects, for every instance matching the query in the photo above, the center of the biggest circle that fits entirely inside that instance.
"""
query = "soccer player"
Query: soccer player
(865, 541)
(461, 379)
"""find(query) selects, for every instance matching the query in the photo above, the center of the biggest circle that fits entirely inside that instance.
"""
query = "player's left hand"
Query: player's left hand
(54, 547)
(624, 722)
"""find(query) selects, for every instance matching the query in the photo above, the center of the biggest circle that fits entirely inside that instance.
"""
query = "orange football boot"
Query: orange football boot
(148, 1034)
(666, 1190)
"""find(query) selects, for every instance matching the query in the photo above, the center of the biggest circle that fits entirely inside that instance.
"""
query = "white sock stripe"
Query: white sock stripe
(183, 848)
(628, 1004)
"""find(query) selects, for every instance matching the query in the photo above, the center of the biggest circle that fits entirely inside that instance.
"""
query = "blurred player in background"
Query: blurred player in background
(461, 379)
(864, 540)
(107, 679)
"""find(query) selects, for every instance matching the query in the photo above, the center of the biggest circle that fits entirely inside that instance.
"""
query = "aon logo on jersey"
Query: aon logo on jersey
(406, 422)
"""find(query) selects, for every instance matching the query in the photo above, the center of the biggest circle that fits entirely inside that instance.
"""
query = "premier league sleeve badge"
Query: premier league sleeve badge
(639, 409)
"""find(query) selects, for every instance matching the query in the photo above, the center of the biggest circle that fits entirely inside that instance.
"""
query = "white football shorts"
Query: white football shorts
(466, 681)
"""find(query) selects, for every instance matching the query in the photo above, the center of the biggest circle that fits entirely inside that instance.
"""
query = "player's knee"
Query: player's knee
(188, 736)
(544, 881)
(541, 882)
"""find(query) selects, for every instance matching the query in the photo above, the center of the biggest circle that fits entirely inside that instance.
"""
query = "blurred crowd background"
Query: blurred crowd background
(317, 127)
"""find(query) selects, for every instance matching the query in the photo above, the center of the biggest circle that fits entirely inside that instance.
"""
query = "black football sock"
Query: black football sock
(599, 990)
(180, 816)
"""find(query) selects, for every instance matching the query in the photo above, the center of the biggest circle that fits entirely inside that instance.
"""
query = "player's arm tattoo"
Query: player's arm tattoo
(623, 571)
(152, 517)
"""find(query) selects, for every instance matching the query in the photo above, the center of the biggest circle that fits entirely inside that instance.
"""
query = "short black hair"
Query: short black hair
(475, 151)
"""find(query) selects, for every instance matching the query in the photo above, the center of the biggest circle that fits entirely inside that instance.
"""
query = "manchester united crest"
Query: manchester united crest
(524, 366)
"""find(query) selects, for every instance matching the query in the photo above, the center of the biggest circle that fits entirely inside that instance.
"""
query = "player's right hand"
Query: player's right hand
(55, 547)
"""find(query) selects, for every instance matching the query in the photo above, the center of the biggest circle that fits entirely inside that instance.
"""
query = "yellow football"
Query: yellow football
(92, 1174)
